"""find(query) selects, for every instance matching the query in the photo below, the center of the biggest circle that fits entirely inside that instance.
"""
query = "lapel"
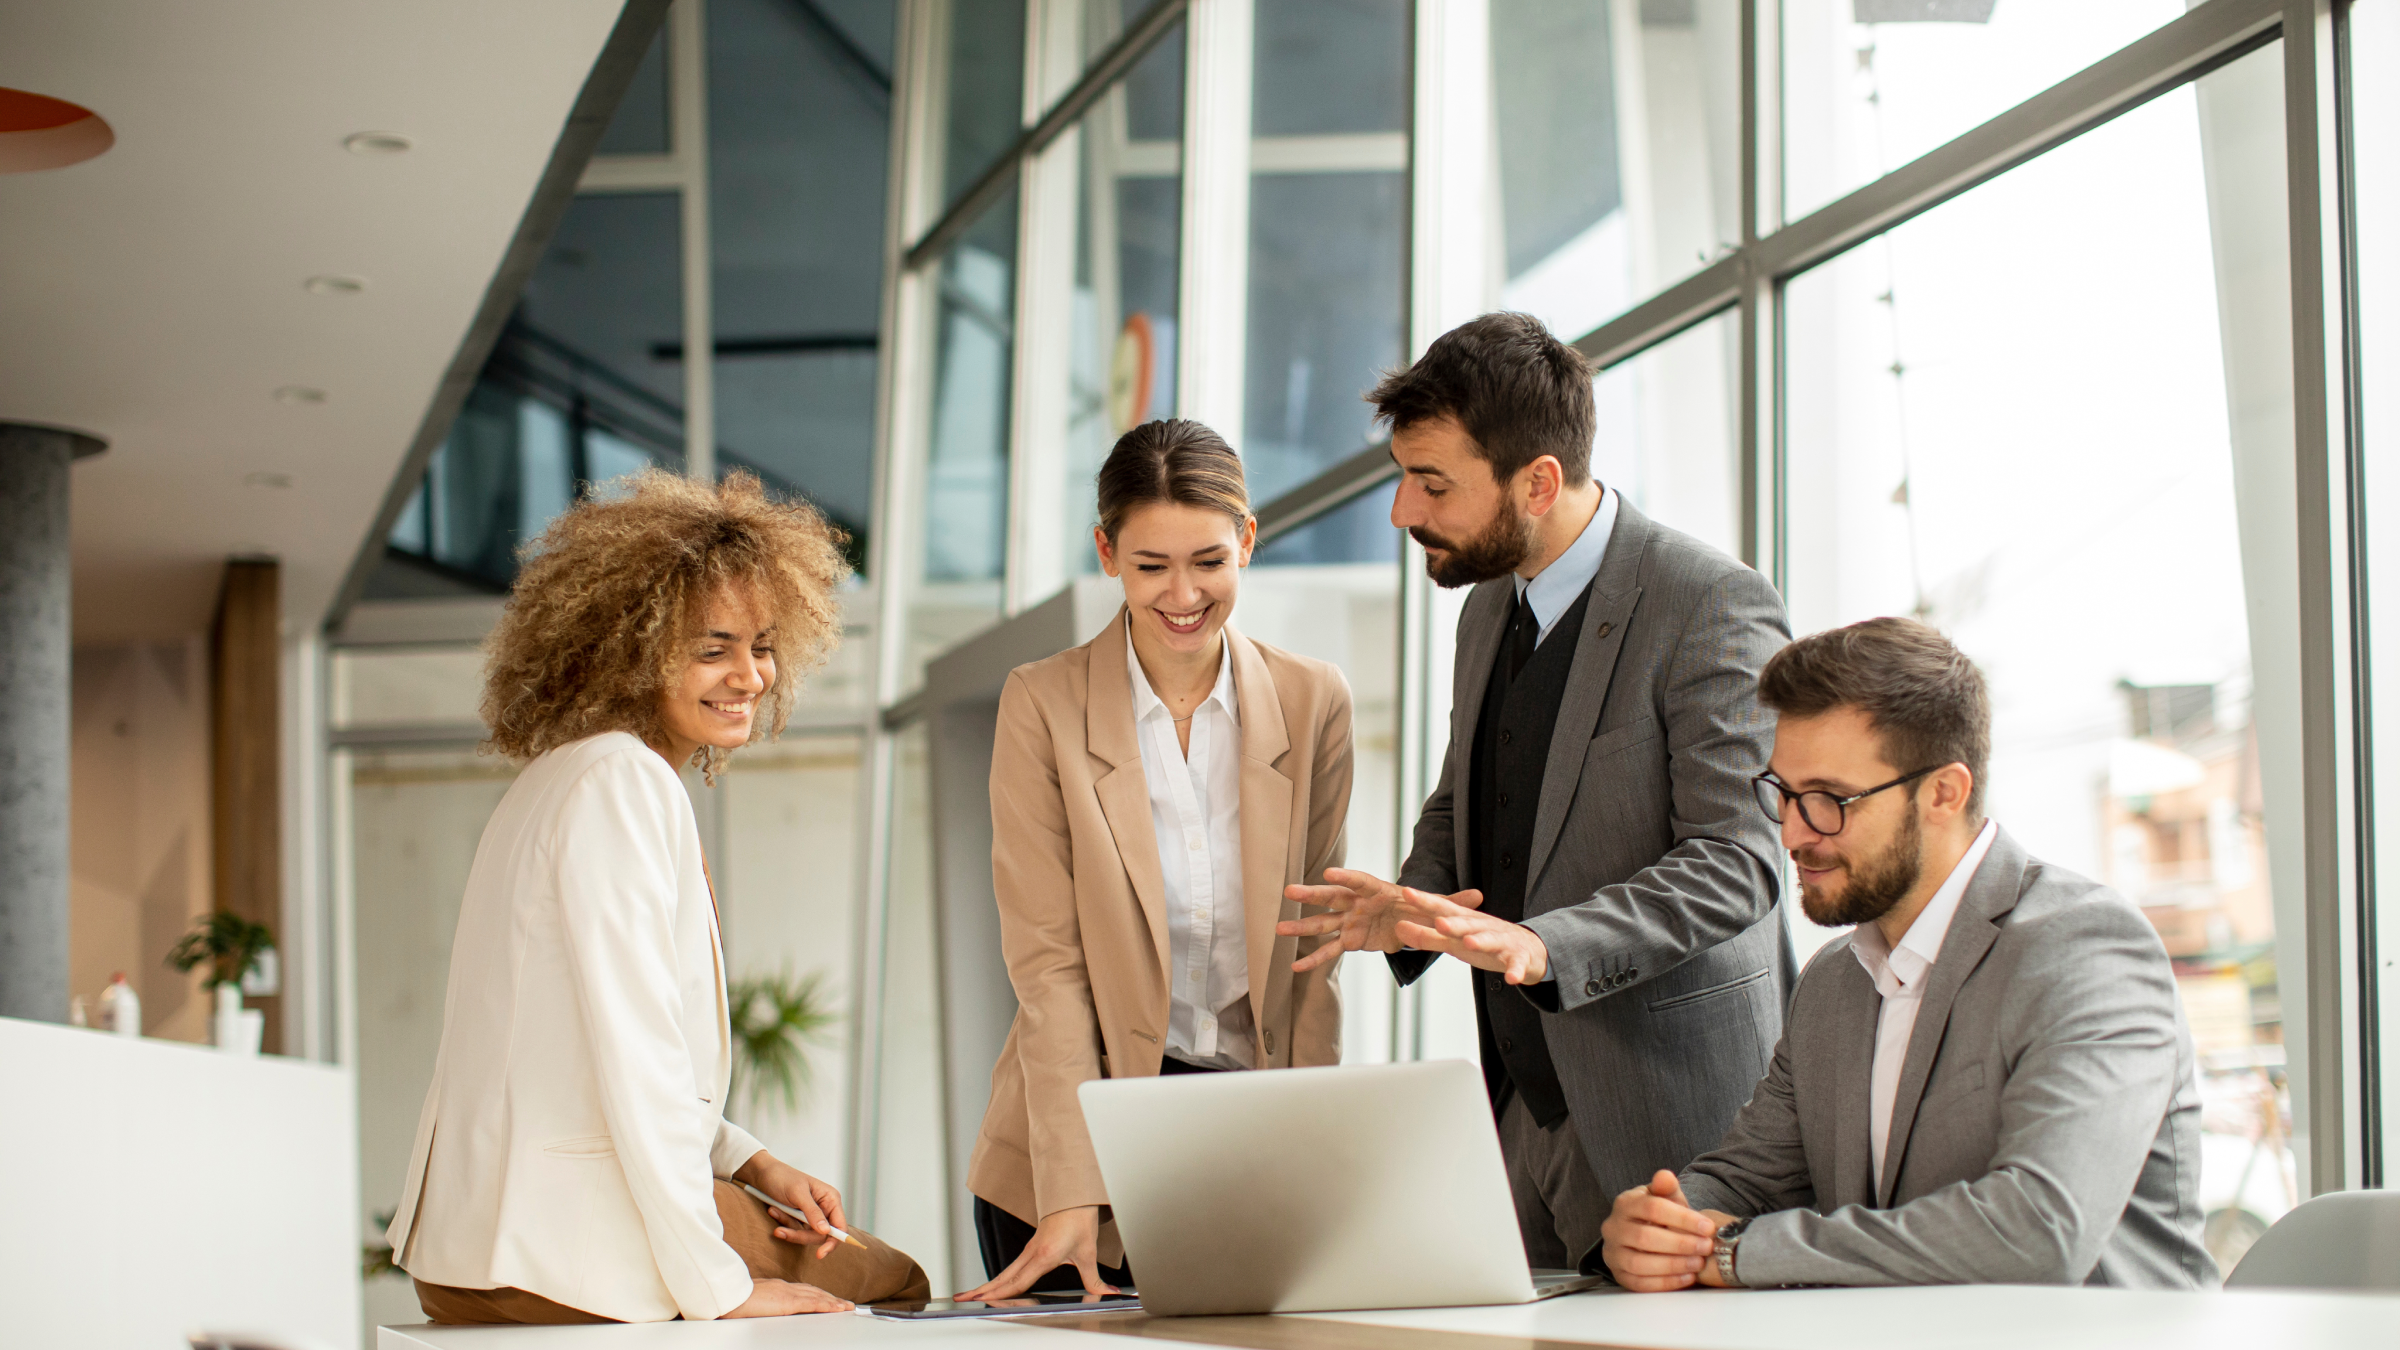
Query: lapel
(1616, 590)
(1852, 1028)
(1109, 735)
(1992, 893)
(1482, 622)
(1266, 810)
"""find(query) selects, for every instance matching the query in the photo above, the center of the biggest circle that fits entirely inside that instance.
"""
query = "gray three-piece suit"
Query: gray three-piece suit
(2046, 1129)
(1651, 874)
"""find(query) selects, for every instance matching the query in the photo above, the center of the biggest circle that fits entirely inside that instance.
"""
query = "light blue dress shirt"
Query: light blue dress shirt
(1553, 590)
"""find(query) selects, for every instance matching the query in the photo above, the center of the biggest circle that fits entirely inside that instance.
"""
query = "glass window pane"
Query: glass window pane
(1328, 67)
(785, 868)
(640, 126)
(2374, 87)
(1326, 287)
(1313, 592)
(1869, 85)
(1130, 230)
(979, 103)
(584, 385)
(910, 1201)
(1617, 130)
(2018, 417)
(1104, 21)
(799, 120)
(965, 508)
(1666, 432)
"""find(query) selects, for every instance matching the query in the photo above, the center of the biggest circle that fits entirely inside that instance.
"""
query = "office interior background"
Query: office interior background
(2066, 325)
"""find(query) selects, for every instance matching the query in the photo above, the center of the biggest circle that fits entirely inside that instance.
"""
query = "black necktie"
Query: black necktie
(1524, 631)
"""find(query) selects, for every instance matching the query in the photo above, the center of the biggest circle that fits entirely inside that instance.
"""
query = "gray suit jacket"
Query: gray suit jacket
(1653, 875)
(2047, 1124)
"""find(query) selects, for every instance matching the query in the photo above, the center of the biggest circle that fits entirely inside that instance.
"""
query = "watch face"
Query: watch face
(1732, 1230)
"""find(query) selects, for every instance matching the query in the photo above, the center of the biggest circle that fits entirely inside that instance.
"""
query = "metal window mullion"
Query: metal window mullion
(1214, 262)
(2333, 1081)
(687, 73)
(901, 380)
(2374, 1120)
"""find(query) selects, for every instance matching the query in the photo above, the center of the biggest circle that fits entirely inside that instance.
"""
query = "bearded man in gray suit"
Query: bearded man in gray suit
(1591, 847)
(1989, 1079)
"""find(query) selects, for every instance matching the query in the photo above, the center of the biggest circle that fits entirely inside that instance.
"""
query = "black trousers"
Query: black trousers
(1002, 1236)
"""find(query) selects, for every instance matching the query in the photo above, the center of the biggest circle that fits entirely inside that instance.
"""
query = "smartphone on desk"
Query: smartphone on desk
(1021, 1306)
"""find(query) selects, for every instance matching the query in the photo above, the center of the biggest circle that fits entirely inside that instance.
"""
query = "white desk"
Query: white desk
(1962, 1318)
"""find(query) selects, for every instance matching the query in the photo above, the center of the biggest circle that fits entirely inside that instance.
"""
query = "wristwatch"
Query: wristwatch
(1728, 1238)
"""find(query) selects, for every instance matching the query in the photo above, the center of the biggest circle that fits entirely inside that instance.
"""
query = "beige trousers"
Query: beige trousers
(866, 1274)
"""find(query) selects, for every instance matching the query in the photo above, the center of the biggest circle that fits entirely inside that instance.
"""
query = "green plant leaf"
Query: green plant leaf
(775, 1018)
(230, 943)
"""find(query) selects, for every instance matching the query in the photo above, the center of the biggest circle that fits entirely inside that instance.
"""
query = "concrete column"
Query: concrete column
(35, 643)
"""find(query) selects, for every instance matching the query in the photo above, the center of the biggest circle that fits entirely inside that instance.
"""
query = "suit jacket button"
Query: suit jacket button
(1591, 988)
(1506, 1045)
(1270, 1041)
(1505, 737)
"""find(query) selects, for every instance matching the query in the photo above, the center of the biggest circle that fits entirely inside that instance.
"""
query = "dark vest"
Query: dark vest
(1512, 747)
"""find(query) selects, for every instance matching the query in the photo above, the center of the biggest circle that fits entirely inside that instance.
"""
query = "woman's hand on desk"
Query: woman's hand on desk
(1067, 1237)
(800, 1196)
(784, 1298)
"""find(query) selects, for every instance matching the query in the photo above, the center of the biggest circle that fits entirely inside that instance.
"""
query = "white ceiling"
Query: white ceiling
(154, 296)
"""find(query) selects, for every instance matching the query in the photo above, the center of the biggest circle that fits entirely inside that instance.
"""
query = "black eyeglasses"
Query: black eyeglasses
(1821, 811)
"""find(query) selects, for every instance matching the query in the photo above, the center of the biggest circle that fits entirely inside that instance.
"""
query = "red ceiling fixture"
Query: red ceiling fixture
(40, 132)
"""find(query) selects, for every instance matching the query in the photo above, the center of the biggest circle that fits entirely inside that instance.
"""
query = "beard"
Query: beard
(1876, 883)
(1498, 549)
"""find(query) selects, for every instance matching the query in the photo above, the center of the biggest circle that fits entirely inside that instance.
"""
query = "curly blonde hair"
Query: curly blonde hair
(614, 592)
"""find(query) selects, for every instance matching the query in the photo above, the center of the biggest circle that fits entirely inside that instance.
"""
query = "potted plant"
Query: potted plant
(775, 1018)
(234, 948)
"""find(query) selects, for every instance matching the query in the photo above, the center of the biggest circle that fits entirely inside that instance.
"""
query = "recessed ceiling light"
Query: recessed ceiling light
(378, 143)
(330, 285)
(265, 479)
(299, 393)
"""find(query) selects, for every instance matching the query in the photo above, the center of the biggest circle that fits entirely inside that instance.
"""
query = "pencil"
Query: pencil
(774, 1203)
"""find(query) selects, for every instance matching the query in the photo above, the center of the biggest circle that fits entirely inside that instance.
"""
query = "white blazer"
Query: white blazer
(575, 1125)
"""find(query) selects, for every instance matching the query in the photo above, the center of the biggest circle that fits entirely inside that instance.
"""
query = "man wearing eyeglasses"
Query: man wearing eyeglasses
(1988, 1080)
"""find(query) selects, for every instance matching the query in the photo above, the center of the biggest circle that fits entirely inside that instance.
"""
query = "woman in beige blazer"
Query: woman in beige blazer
(573, 1162)
(1153, 792)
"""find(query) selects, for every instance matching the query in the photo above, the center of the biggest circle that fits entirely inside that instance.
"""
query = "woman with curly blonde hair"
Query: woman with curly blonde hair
(573, 1162)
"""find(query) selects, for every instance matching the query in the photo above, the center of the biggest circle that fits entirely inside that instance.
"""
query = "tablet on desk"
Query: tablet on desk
(1021, 1306)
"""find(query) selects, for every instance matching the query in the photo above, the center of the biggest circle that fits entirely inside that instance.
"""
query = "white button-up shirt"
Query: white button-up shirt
(1899, 974)
(1552, 591)
(1196, 813)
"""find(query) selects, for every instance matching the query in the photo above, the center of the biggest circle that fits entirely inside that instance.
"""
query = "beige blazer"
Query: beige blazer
(575, 1126)
(1083, 919)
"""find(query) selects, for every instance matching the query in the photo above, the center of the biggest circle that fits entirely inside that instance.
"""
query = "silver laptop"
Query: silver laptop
(1313, 1190)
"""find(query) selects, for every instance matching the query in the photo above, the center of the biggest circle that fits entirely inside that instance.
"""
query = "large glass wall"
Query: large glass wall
(2083, 544)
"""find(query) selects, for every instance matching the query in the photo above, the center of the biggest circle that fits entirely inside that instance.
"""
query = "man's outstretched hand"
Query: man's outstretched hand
(1655, 1241)
(1365, 910)
(1375, 915)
